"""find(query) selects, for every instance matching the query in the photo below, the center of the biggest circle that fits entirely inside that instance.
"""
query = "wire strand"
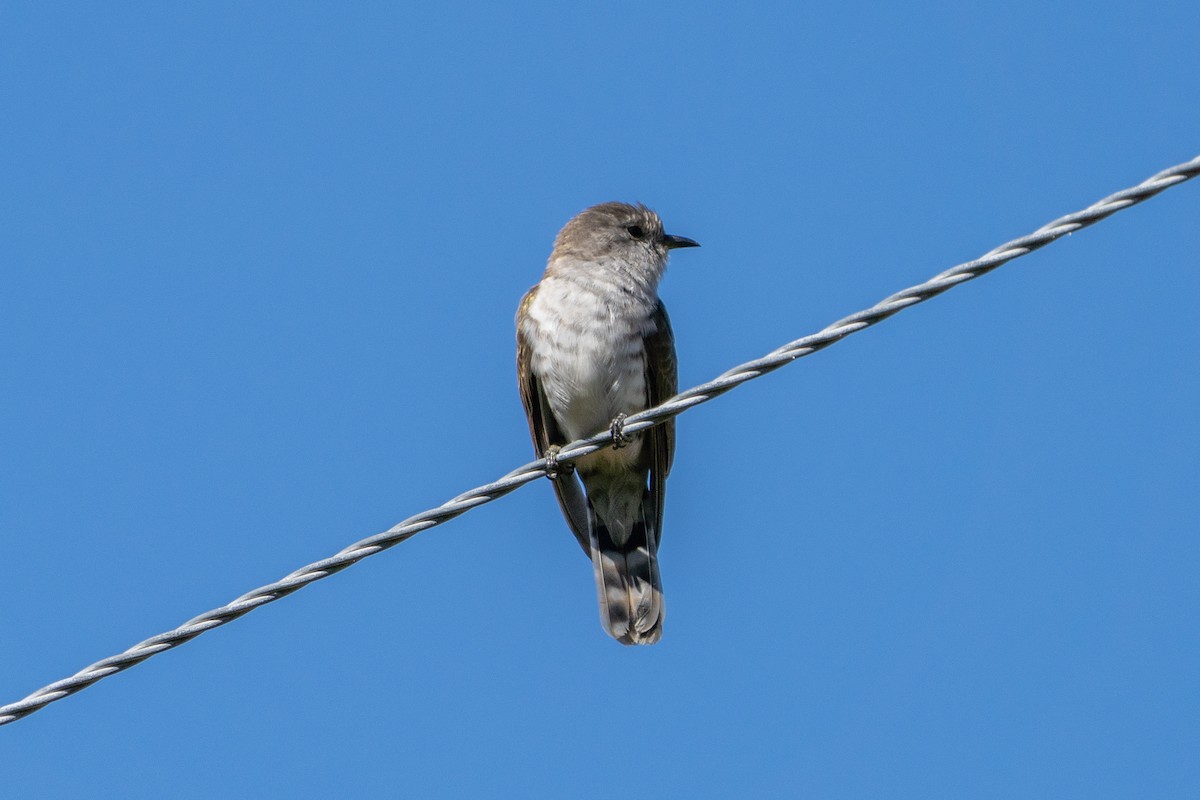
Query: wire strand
(536, 469)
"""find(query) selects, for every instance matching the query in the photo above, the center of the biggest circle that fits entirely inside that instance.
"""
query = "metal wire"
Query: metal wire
(636, 422)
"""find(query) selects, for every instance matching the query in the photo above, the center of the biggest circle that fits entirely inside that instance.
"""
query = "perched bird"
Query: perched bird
(593, 345)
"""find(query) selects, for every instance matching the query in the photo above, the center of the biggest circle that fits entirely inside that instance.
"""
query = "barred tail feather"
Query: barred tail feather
(627, 581)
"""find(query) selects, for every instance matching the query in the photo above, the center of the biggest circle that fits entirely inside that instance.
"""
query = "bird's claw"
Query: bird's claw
(617, 429)
(553, 468)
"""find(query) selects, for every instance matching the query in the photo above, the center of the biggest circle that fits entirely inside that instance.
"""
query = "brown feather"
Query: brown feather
(662, 383)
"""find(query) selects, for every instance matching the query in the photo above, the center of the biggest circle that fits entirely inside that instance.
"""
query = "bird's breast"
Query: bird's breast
(589, 355)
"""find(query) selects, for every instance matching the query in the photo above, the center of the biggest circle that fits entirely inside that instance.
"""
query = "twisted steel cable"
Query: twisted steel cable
(634, 423)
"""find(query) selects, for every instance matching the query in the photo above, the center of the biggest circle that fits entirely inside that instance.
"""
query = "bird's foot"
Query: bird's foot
(553, 468)
(617, 429)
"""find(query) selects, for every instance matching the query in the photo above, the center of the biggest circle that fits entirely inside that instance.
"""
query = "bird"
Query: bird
(594, 344)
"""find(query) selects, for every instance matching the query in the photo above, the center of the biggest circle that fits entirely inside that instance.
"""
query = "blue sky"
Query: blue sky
(260, 265)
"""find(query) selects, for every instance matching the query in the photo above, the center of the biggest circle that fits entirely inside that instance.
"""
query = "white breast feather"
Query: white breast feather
(589, 360)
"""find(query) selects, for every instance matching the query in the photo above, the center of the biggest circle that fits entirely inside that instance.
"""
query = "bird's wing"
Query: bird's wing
(662, 382)
(545, 432)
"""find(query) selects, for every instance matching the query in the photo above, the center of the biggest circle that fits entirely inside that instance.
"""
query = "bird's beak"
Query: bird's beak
(678, 241)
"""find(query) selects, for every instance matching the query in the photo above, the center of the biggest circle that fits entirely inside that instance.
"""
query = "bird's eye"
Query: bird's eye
(635, 231)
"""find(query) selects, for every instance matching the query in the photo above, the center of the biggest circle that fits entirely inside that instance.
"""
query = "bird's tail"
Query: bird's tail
(625, 559)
